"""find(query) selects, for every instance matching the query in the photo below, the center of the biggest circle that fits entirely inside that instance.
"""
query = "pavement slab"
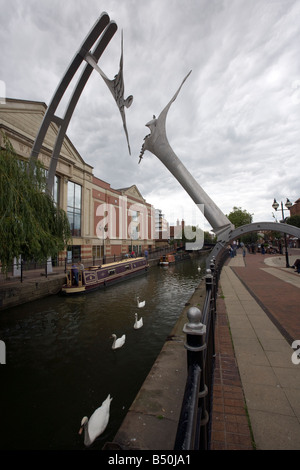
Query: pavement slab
(262, 301)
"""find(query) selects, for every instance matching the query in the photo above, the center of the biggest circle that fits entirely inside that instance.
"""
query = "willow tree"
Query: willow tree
(31, 225)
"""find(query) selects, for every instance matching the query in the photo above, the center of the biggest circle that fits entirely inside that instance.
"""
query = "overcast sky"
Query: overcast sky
(235, 124)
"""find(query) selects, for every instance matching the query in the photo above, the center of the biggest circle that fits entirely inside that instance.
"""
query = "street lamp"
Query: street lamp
(288, 205)
(104, 229)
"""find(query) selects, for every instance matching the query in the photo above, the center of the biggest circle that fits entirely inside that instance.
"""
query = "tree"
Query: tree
(30, 223)
(294, 220)
(239, 217)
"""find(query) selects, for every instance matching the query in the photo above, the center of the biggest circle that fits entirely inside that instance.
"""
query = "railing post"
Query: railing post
(212, 264)
(196, 345)
(210, 287)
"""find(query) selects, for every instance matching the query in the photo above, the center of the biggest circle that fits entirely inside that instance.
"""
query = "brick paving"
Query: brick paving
(280, 300)
(230, 427)
(277, 298)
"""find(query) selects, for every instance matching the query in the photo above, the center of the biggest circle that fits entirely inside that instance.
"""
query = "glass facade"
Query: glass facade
(74, 208)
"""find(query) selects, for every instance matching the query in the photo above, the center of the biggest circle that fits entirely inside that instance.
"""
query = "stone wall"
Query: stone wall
(19, 293)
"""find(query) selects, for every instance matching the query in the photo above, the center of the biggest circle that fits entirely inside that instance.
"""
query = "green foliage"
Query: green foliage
(30, 224)
(293, 220)
(239, 217)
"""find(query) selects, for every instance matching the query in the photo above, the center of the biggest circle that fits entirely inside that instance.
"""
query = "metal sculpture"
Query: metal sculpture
(248, 228)
(105, 28)
(116, 86)
(158, 144)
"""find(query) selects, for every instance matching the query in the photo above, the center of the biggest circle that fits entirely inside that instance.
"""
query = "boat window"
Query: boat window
(127, 266)
(111, 272)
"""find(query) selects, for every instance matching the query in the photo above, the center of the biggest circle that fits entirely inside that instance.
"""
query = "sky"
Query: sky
(235, 123)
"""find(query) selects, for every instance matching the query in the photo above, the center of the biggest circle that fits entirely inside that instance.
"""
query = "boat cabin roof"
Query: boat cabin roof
(114, 263)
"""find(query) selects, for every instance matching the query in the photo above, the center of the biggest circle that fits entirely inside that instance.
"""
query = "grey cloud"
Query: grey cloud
(235, 123)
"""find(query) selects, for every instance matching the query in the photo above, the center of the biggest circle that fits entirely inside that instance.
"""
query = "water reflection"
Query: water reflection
(60, 365)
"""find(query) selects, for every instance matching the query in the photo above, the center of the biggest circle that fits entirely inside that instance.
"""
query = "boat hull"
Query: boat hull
(100, 277)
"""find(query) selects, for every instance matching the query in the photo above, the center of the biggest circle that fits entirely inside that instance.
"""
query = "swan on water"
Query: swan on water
(140, 304)
(138, 323)
(97, 423)
(118, 342)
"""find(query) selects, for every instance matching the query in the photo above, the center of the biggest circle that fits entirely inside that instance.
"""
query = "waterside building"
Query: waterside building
(105, 222)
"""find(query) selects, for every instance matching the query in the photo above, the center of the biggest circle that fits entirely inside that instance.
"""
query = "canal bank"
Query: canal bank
(36, 285)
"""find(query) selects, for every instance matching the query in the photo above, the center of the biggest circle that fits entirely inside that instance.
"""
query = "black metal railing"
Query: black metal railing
(194, 422)
(18, 268)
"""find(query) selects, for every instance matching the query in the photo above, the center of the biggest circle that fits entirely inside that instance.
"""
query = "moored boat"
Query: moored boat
(81, 281)
(165, 260)
(171, 258)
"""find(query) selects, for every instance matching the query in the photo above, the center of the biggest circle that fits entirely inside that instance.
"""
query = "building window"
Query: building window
(98, 253)
(74, 208)
(56, 190)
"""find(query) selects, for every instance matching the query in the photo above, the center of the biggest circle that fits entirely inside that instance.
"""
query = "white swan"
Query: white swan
(118, 342)
(140, 304)
(138, 323)
(97, 423)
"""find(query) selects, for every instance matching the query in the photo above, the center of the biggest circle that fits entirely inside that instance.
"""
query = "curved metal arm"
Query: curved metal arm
(248, 228)
(102, 25)
(158, 144)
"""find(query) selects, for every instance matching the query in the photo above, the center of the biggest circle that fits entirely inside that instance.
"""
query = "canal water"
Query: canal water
(60, 365)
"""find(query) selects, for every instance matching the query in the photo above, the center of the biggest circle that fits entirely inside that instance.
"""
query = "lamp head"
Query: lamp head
(288, 204)
(275, 205)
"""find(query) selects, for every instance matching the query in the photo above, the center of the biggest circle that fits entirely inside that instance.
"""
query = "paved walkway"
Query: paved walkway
(260, 303)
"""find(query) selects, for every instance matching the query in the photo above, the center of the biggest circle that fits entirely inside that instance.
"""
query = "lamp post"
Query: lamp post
(288, 205)
(104, 229)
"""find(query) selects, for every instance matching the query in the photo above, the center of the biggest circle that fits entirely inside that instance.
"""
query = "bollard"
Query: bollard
(196, 345)
(195, 335)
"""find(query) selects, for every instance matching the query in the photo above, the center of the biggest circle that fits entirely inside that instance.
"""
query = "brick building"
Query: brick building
(105, 222)
(295, 209)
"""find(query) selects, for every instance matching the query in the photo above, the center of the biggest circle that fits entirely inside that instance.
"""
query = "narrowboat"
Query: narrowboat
(81, 281)
(165, 260)
(171, 258)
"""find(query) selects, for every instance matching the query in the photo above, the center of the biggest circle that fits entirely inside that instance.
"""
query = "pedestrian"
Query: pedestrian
(296, 265)
(80, 266)
(75, 273)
